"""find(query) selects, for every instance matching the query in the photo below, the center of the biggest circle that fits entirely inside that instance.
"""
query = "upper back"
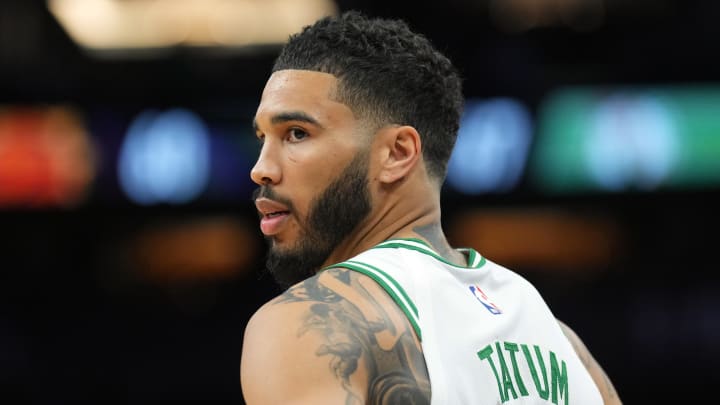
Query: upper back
(398, 324)
(487, 335)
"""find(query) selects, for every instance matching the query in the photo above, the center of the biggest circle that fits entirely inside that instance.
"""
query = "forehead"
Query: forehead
(289, 82)
(302, 90)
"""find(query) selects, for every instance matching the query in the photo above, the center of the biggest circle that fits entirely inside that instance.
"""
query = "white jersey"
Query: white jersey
(487, 335)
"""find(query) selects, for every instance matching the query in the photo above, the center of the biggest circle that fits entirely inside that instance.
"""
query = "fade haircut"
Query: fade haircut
(386, 73)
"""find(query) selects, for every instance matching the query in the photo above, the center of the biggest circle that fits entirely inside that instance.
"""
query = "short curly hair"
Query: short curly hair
(386, 73)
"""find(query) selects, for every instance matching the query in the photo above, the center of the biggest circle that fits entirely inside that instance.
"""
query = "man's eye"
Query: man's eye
(297, 134)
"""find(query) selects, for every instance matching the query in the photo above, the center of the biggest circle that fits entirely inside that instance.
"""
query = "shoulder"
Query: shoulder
(321, 341)
(281, 360)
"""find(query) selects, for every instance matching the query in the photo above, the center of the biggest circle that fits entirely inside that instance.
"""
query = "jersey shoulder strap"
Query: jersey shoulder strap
(388, 283)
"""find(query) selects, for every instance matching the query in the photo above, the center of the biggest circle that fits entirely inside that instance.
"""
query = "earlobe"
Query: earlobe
(404, 150)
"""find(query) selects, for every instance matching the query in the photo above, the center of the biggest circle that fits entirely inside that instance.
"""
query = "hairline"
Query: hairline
(369, 117)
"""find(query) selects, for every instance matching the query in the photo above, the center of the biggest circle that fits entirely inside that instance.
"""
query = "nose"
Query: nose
(266, 169)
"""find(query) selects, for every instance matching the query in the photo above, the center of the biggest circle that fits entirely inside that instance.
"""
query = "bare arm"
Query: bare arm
(334, 338)
(609, 395)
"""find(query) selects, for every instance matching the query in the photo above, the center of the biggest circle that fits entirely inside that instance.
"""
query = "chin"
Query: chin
(282, 245)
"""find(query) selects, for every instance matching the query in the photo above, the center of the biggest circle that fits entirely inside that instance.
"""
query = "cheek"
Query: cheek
(311, 167)
(309, 175)
(304, 183)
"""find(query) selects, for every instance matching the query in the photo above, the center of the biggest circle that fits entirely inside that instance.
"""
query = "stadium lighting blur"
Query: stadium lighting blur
(206, 248)
(491, 148)
(165, 158)
(522, 15)
(630, 148)
(628, 139)
(141, 24)
(539, 238)
(46, 157)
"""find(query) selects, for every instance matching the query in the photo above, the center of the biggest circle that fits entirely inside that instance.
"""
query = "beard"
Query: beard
(332, 216)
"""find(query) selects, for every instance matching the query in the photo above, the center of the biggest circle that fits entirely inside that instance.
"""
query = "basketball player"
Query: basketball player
(357, 122)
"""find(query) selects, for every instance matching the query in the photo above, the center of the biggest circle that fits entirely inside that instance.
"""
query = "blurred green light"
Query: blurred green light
(601, 139)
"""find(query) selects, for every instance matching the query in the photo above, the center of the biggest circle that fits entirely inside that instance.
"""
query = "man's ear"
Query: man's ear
(401, 152)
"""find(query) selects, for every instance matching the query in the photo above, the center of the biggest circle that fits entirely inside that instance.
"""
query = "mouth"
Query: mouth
(273, 215)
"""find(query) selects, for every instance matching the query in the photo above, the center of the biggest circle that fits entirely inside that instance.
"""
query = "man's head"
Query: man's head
(336, 89)
(387, 74)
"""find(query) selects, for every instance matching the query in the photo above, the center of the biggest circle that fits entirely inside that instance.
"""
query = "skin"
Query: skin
(338, 337)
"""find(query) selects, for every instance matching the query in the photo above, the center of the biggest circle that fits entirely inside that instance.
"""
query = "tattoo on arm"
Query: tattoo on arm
(362, 329)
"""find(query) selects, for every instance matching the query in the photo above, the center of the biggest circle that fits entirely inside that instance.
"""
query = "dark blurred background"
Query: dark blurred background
(130, 256)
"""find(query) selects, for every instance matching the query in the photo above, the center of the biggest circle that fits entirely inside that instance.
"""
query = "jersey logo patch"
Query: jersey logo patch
(480, 295)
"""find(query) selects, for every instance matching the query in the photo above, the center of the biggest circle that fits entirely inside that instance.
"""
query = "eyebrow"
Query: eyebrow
(290, 116)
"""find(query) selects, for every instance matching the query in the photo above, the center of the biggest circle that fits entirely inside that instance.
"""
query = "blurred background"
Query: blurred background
(130, 256)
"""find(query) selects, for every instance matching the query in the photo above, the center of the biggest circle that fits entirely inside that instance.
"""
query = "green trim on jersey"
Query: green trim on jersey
(390, 285)
(475, 260)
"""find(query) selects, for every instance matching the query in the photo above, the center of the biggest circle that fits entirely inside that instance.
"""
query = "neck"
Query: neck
(400, 218)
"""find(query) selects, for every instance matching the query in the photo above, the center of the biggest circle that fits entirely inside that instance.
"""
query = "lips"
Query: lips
(274, 215)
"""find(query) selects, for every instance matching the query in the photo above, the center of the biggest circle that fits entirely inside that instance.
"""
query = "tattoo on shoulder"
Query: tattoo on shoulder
(363, 329)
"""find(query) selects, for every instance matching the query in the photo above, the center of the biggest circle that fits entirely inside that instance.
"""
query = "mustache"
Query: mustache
(269, 193)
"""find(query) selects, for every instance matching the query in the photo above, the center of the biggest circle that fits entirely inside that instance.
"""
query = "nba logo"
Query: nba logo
(480, 295)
